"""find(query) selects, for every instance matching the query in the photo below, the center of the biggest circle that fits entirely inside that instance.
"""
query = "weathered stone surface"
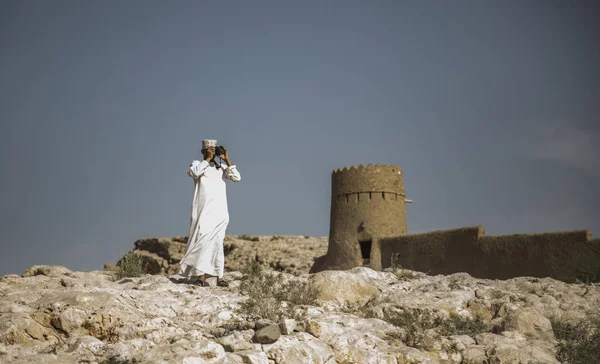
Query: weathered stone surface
(254, 357)
(72, 317)
(300, 348)
(45, 359)
(23, 329)
(480, 309)
(313, 328)
(512, 347)
(475, 354)
(85, 344)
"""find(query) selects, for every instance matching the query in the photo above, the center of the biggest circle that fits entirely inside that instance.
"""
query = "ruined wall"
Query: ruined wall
(561, 255)
(436, 252)
(565, 255)
(366, 204)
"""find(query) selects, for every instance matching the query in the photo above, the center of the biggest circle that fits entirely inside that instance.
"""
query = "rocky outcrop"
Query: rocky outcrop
(54, 315)
(289, 254)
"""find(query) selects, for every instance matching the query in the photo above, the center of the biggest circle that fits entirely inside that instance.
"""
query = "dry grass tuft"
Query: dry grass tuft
(131, 265)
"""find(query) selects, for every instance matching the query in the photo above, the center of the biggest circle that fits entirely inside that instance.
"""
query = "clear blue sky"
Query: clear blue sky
(490, 108)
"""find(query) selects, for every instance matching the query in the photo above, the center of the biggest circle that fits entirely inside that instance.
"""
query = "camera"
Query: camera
(219, 150)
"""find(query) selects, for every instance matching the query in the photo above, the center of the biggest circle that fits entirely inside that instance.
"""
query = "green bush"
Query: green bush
(578, 343)
(268, 291)
(131, 265)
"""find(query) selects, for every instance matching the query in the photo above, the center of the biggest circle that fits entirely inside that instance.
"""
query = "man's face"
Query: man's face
(205, 152)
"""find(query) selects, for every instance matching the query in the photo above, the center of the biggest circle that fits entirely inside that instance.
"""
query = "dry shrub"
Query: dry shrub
(578, 343)
(417, 321)
(271, 297)
(587, 273)
(459, 325)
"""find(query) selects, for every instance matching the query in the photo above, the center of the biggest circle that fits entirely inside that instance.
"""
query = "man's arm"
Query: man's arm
(197, 168)
(231, 172)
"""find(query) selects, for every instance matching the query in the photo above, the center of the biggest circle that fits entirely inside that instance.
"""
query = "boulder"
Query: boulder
(267, 335)
(343, 287)
(287, 326)
(530, 323)
(237, 341)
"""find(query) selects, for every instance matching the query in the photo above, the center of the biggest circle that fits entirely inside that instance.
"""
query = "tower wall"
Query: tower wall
(367, 203)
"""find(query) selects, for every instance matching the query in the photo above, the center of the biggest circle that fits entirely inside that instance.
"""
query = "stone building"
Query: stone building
(367, 204)
(368, 228)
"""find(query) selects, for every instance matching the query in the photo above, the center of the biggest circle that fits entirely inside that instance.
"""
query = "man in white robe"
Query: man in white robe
(209, 218)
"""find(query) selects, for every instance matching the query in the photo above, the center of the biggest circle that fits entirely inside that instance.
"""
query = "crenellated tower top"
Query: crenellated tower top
(378, 178)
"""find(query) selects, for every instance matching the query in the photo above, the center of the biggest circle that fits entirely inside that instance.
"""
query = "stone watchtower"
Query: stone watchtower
(367, 203)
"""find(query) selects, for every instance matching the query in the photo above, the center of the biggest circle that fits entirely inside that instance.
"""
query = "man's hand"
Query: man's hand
(210, 154)
(225, 156)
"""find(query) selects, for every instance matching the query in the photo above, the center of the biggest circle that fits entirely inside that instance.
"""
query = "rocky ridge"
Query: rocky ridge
(50, 314)
(290, 253)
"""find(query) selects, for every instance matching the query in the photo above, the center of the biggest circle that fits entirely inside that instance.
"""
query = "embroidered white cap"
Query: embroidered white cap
(207, 143)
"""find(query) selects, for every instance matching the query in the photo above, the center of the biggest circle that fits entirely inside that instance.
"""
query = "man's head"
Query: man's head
(208, 145)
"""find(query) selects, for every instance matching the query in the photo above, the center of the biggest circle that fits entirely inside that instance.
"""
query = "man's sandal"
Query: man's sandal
(201, 283)
(222, 283)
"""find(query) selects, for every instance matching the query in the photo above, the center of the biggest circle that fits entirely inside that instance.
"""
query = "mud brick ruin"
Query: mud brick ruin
(368, 228)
